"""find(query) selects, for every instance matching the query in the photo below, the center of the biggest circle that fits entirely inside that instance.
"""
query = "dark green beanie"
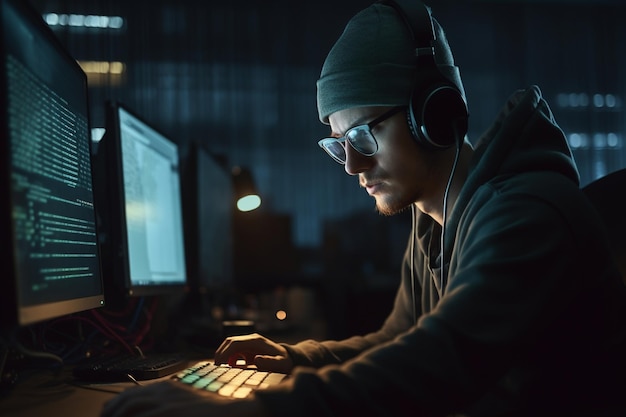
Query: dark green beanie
(373, 63)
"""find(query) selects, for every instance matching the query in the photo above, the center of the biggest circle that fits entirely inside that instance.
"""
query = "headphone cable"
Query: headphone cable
(413, 236)
(444, 275)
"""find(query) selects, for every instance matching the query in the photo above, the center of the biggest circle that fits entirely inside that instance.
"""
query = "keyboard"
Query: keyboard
(125, 368)
(226, 380)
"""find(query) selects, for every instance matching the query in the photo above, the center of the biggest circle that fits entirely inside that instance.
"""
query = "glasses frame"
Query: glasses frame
(326, 142)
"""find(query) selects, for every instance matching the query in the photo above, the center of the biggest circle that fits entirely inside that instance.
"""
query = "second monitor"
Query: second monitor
(140, 192)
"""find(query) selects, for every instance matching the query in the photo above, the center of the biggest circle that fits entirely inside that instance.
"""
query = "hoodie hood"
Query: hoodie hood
(524, 138)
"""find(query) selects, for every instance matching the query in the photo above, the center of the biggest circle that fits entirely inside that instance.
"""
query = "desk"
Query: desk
(46, 393)
(56, 394)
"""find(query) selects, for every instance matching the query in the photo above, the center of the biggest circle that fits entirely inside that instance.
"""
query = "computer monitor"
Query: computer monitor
(140, 207)
(50, 257)
(208, 220)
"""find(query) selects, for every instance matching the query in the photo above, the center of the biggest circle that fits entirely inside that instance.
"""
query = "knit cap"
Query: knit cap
(373, 63)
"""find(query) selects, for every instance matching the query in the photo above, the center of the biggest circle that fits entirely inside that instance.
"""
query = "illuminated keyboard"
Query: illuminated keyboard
(226, 380)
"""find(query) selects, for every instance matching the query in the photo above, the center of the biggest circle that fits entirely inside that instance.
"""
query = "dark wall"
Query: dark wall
(240, 77)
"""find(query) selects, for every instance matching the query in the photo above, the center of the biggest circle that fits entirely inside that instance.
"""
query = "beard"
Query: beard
(389, 205)
(392, 198)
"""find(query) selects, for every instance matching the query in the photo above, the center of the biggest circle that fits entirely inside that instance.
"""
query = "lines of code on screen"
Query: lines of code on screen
(53, 214)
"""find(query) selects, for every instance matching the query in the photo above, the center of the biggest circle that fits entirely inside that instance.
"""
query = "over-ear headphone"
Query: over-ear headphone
(437, 112)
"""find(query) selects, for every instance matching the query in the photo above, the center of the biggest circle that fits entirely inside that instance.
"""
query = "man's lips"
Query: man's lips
(372, 187)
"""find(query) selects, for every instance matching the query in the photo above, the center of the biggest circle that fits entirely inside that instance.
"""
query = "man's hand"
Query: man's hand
(173, 399)
(254, 349)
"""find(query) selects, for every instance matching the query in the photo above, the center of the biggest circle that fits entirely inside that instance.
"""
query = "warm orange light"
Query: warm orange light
(281, 314)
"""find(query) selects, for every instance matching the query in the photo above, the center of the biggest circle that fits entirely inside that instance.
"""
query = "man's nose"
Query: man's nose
(356, 162)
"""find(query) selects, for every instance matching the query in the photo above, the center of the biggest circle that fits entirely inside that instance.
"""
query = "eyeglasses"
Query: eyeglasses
(360, 138)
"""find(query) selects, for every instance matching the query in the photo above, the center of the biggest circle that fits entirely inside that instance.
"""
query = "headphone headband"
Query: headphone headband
(437, 113)
(423, 34)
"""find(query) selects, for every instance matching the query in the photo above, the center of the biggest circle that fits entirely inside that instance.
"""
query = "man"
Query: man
(509, 303)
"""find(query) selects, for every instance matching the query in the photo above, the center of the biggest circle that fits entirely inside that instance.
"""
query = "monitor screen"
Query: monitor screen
(145, 223)
(208, 219)
(51, 264)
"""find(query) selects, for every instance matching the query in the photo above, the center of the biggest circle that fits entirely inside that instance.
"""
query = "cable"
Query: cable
(110, 332)
(443, 229)
(413, 235)
(36, 353)
(133, 380)
(444, 274)
(136, 315)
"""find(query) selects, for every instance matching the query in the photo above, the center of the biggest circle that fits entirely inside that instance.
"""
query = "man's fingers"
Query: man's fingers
(273, 363)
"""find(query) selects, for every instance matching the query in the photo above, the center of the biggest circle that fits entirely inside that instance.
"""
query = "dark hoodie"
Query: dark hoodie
(530, 319)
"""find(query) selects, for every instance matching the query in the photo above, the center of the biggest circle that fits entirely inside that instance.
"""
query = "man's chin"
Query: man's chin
(388, 208)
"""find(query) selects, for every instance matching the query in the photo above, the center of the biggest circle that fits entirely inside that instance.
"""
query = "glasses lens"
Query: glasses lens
(362, 140)
(335, 149)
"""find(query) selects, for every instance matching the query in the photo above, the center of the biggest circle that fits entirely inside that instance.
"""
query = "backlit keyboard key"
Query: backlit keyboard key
(227, 381)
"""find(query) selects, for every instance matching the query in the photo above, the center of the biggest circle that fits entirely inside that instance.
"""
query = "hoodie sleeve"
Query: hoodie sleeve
(311, 353)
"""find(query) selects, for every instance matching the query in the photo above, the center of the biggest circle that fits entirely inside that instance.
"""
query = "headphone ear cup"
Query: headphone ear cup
(438, 117)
